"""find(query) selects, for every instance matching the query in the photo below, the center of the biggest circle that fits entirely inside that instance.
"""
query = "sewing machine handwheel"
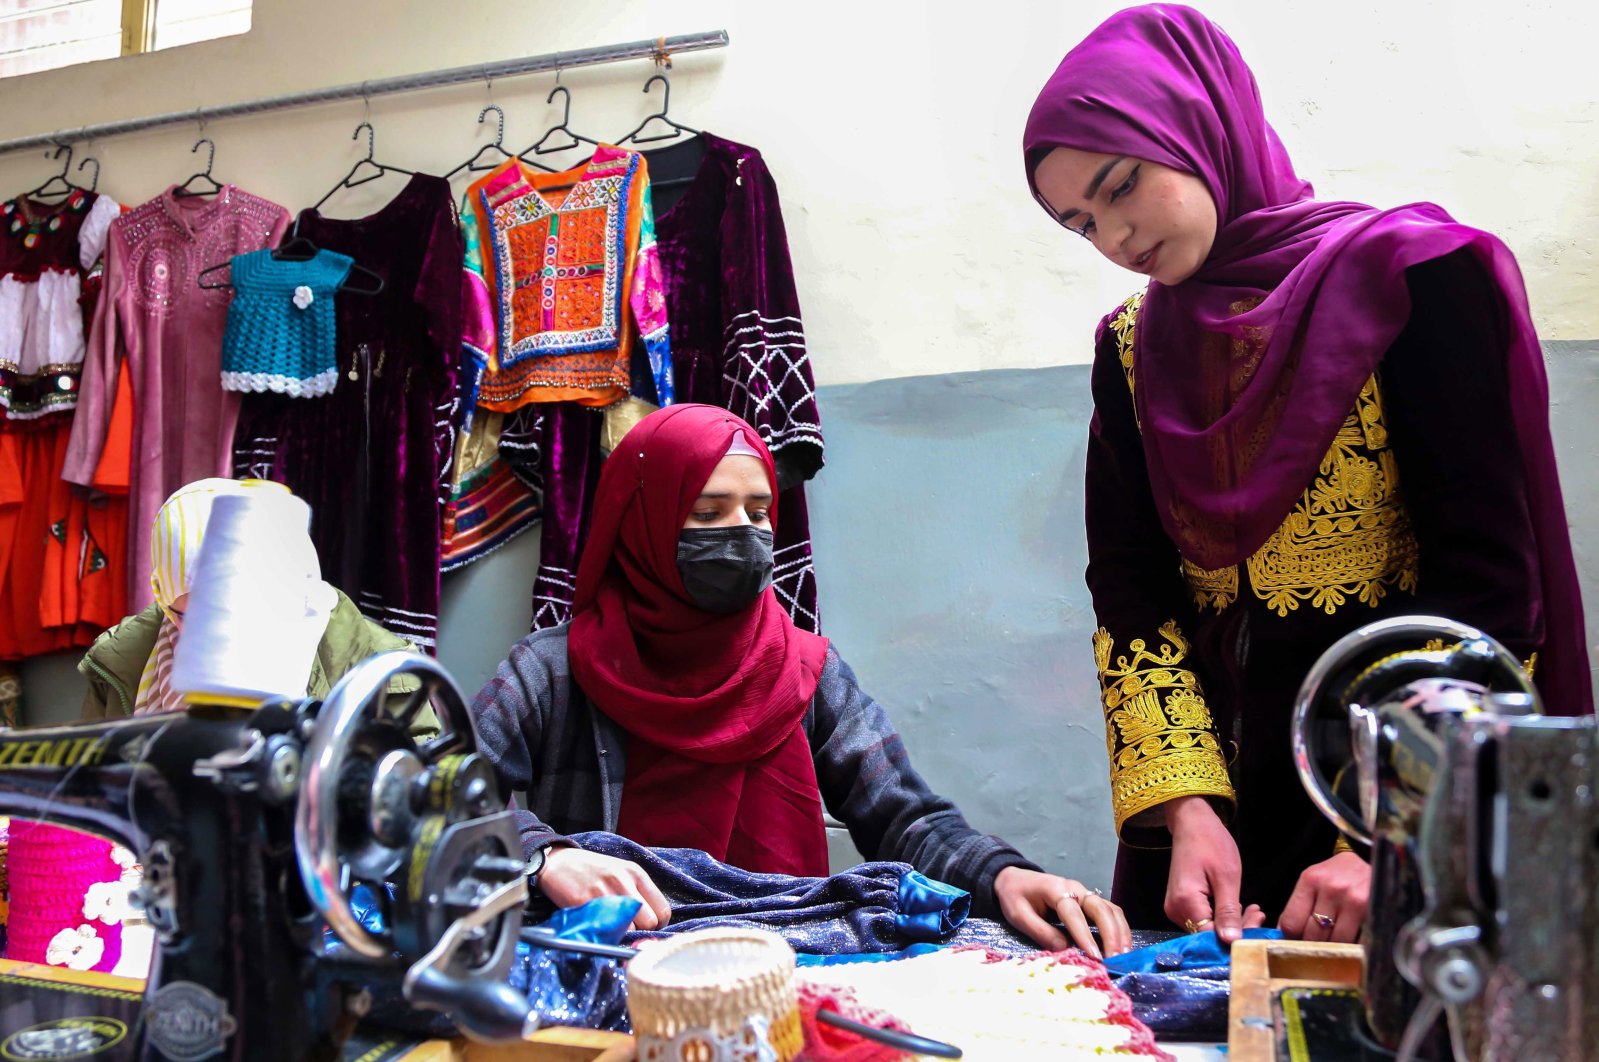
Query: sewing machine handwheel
(1333, 731)
(356, 701)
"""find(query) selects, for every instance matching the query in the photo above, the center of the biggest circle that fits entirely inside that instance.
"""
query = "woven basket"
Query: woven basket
(692, 998)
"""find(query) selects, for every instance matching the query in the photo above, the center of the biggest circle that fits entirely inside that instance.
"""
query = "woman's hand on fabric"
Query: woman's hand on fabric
(1202, 888)
(1329, 903)
(1025, 896)
(573, 876)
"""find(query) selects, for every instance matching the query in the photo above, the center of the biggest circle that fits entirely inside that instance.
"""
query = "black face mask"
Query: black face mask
(724, 569)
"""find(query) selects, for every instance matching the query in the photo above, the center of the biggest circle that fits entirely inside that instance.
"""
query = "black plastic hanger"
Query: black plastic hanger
(538, 147)
(380, 169)
(47, 190)
(298, 248)
(356, 269)
(475, 163)
(661, 116)
(203, 175)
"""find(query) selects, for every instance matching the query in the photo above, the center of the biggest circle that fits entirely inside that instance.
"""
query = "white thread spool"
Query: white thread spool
(257, 604)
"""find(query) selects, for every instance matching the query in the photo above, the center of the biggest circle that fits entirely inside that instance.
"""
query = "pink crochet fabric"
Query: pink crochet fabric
(50, 871)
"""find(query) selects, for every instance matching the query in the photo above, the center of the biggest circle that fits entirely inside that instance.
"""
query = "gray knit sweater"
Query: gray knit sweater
(547, 740)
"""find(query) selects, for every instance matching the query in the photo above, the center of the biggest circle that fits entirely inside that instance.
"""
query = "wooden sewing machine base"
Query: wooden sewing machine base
(1262, 969)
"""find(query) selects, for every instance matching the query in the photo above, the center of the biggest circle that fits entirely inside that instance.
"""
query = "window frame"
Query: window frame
(138, 26)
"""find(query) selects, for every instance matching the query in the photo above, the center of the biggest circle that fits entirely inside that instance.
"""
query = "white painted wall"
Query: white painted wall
(893, 129)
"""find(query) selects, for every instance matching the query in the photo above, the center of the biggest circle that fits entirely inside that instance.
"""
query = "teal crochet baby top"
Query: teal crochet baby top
(280, 332)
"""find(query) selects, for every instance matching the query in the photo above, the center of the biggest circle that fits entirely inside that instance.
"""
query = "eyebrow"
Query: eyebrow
(722, 495)
(1093, 186)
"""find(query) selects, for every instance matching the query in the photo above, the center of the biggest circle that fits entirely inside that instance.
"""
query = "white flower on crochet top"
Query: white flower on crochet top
(132, 872)
(76, 949)
(107, 901)
(303, 296)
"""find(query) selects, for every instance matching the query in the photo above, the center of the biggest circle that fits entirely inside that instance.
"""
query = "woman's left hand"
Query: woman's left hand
(1024, 896)
(1329, 903)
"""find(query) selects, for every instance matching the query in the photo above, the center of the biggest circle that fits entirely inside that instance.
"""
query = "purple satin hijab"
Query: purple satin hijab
(1246, 370)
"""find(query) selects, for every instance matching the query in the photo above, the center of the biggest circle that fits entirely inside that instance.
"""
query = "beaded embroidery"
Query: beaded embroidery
(1158, 731)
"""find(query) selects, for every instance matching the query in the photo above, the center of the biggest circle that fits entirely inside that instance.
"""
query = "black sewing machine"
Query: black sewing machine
(1424, 739)
(253, 826)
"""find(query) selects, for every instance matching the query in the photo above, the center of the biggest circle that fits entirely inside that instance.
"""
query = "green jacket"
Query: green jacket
(115, 662)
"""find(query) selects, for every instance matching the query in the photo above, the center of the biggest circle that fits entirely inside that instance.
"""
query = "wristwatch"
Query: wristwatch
(535, 867)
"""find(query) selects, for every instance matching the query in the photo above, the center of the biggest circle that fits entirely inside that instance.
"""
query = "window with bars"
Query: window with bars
(44, 34)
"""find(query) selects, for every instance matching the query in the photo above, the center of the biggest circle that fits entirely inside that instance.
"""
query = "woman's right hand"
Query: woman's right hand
(573, 876)
(1202, 891)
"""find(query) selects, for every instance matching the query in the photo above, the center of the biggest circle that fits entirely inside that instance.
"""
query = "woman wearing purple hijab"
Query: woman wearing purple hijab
(1315, 415)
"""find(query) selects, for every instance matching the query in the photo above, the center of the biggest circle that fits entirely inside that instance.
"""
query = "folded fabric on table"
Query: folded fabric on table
(1180, 987)
(869, 908)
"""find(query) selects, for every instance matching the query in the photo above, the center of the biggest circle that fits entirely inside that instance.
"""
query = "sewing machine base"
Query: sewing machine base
(47, 1012)
(1262, 971)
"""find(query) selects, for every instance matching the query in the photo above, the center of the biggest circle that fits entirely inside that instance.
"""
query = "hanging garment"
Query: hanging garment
(372, 459)
(737, 338)
(489, 505)
(45, 253)
(737, 342)
(154, 316)
(63, 573)
(280, 333)
(567, 265)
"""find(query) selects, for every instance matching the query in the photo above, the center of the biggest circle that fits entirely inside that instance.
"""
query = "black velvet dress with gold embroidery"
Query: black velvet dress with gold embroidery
(1418, 506)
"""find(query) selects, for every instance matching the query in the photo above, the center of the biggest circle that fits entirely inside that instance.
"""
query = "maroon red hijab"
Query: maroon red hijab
(1314, 292)
(713, 705)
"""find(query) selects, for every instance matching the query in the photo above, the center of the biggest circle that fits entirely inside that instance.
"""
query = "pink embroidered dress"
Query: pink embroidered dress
(154, 315)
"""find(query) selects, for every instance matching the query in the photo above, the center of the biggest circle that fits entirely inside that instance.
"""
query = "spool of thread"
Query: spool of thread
(257, 604)
(715, 994)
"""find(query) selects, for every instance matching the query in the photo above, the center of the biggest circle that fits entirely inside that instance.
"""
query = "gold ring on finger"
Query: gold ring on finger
(1194, 927)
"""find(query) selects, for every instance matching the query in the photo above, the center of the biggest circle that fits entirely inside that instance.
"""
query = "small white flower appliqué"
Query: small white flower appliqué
(303, 297)
(76, 949)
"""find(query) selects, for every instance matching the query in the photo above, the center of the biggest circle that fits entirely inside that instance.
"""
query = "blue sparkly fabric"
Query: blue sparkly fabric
(280, 331)
(871, 907)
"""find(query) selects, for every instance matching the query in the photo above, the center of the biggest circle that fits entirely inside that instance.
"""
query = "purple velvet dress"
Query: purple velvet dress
(1409, 513)
(737, 338)
(737, 342)
(373, 458)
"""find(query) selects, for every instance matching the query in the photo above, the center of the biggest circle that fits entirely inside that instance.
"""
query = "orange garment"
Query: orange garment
(566, 267)
(63, 552)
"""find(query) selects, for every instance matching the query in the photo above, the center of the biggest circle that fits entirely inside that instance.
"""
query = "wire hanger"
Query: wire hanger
(350, 181)
(538, 147)
(475, 164)
(661, 116)
(47, 189)
(203, 175)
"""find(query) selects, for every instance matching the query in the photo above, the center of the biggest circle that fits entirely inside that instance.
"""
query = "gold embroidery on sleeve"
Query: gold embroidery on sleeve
(1158, 731)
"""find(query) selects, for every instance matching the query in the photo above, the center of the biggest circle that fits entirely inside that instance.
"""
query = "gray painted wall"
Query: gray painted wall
(950, 548)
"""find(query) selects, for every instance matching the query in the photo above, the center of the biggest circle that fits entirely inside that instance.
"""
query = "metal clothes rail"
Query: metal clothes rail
(658, 48)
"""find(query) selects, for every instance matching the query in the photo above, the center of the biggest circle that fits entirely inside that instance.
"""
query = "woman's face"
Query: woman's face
(737, 493)
(1141, 215)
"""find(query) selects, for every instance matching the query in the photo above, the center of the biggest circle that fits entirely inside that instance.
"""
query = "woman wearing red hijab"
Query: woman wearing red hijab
(682, 708)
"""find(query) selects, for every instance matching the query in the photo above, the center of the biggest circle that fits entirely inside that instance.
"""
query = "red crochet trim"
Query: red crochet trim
(828, 1043)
